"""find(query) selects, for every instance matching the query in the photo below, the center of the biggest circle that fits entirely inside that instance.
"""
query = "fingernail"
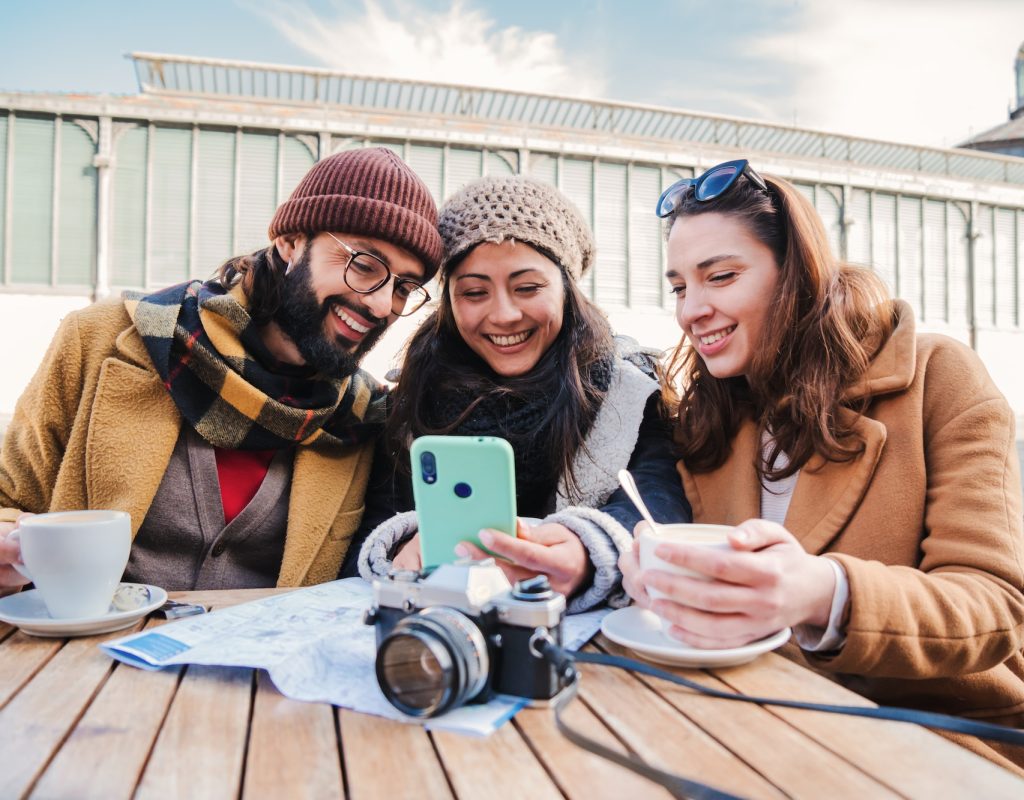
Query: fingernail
(461, 550)
(741, 536)
(486, 537)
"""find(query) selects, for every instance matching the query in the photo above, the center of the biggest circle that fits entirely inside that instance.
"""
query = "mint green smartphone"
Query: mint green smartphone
(461, 484)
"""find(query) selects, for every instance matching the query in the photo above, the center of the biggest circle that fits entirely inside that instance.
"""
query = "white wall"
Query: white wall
(27, 323)
(1003, 354)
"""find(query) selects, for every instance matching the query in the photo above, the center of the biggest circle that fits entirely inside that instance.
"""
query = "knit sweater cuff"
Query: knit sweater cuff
(383, 543)
(604, 538)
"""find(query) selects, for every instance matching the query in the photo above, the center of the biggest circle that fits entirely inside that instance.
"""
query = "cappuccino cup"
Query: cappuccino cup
(694, 534)
(75, 559)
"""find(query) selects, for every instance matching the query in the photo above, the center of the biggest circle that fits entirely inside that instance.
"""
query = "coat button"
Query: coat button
(219, 548)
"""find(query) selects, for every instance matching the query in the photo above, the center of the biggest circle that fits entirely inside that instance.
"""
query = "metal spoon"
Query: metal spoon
(634, 494)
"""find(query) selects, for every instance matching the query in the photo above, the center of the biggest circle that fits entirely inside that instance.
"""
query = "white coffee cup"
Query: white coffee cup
(75, 559)
(698, 534)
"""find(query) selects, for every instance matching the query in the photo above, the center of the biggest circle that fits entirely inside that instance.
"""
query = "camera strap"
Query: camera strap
(565, 660)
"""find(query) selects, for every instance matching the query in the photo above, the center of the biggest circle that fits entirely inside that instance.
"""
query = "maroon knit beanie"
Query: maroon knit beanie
(369, 191)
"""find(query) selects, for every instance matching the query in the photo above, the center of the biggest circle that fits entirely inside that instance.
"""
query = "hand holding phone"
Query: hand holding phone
(548, 549)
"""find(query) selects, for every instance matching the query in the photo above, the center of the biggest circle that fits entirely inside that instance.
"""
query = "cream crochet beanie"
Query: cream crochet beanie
(498, 208)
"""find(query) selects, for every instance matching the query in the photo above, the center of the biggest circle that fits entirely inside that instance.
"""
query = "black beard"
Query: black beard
(302, 318)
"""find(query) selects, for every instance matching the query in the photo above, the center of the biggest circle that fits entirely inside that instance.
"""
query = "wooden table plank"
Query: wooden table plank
(36, 721)
(200, 752)
(908, 758)
(795, 763)
(108, 749)
(661, 736)
(74, 725)
(21, 657)
(386, 759)
(579, 774)
(221, 598)
(293, 748)
(498, 766)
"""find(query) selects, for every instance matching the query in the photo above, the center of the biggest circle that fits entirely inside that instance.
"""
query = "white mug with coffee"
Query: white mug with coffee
(75, 558)
(714, 536)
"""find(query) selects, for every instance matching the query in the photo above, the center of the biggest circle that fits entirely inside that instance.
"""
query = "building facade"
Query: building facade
(1007, 138)
(101, 193)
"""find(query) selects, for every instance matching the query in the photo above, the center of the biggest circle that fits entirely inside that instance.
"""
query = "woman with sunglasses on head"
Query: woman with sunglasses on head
(870, 471)
(516, 350)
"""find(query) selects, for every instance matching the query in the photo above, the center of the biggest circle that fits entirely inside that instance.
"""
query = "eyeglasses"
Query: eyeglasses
(713, 183)
(365, 273)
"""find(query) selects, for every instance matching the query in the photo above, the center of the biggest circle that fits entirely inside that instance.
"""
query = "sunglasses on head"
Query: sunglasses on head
(713, 183)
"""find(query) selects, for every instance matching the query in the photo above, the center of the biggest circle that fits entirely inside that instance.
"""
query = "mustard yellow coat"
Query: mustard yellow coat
(927, 524)
(95, 429)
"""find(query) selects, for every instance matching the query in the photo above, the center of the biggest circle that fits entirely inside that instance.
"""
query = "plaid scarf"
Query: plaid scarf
(210, 357)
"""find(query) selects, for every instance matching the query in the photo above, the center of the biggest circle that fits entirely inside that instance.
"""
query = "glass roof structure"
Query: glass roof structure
(225, 79)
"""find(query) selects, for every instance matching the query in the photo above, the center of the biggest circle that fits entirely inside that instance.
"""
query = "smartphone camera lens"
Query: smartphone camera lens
(428, 465)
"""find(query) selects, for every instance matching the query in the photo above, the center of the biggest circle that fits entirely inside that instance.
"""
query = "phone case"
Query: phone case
(461, 484)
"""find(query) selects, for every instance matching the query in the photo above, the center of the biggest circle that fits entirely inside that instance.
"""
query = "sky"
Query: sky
(931, 72)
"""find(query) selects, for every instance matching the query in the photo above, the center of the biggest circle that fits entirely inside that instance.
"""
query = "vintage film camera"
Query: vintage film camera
(461, 633)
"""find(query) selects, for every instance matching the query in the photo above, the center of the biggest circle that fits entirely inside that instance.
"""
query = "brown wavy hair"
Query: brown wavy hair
(828, 320)
(438, 361)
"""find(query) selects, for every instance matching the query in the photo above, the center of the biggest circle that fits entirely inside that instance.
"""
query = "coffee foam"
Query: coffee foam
(68, 518)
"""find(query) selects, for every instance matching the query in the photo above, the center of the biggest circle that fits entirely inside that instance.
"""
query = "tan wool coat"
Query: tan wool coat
(95, 429)
(927, 524)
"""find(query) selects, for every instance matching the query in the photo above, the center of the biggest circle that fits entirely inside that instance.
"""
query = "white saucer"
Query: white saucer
(27, 611)
(640, 631)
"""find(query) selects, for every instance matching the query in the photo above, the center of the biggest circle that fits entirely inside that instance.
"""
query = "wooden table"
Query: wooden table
(74, 723)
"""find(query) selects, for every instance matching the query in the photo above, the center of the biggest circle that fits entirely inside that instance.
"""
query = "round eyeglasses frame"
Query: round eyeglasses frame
(372, 273)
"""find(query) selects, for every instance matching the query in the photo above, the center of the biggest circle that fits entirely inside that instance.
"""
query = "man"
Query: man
(229, 418)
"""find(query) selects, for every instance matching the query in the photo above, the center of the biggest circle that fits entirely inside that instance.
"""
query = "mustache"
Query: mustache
(362, 311)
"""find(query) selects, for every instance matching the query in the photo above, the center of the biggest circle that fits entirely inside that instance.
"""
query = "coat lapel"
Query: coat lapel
(322, 481)
(825, 497)
(730, 494)
(133, 427)
(827, 493)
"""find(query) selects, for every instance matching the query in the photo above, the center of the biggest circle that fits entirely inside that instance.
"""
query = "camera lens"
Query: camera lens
(428, 463)
(432, 662)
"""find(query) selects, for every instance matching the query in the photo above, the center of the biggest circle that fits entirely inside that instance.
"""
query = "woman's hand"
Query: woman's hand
(549, 549)
(10, 553)
(765, 583)
(629, 566)
(409, 556)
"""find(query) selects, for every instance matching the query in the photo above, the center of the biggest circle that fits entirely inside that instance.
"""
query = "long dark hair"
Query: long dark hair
(262, 275)
(828, 320)
(437, 361)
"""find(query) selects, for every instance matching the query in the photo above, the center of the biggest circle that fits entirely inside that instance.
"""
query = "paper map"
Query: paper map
(315, 647)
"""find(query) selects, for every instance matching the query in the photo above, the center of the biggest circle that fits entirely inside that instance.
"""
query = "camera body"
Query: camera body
(460, 633)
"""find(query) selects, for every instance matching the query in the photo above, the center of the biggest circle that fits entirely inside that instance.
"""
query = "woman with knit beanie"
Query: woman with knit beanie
(516, 350)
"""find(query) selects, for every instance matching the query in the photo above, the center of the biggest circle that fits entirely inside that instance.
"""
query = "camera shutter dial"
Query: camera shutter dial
(535, 588)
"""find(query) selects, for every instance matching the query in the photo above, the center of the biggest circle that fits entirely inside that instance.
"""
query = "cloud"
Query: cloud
(921, 72)
(458, 44)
